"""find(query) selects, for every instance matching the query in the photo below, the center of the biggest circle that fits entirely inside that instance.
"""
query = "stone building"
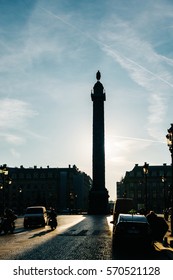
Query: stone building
(151, 188)
(65, 189)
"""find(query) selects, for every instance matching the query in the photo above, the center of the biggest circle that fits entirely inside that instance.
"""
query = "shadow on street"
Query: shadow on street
(40, 233)
(89, 239)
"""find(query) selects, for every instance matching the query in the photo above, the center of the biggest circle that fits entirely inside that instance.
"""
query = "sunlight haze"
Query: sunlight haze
(50, 52)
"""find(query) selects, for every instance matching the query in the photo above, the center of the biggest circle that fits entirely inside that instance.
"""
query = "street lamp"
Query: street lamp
(169, 137)
(145, 170)
(5, 179)
(164, 191)
(20, 202)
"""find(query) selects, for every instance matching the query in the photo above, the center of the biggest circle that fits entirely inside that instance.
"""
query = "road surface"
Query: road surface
(77, 237)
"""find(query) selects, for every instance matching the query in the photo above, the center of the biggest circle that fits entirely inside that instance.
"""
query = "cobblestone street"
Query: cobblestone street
(77, 237)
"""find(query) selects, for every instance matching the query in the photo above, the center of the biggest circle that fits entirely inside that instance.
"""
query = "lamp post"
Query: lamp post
(169, 137)
(1, 202)
(164, 192)
(145, 170)
(20, 201)
(5, 179)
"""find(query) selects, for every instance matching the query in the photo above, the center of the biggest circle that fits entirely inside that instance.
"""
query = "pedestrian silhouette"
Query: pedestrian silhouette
(158, 226)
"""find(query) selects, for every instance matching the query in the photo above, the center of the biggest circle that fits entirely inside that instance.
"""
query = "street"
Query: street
(77, 237)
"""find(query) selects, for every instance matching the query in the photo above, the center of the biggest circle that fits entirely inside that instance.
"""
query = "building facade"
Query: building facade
(151, 188)
(61, 188)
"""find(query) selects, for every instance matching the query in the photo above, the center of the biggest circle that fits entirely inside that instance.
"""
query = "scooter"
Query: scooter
(6, 225)
(52, 223)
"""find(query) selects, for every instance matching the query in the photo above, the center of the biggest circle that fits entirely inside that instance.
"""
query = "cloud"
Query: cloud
(139, 139)
(12, 138)
(144, 66)
(118, 149)
(157, 110)
(14, 153)
(14, 113)
(14, 119)
(137, 56)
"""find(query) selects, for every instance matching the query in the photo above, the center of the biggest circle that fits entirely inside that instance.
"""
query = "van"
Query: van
(35, 216)
(122, 206)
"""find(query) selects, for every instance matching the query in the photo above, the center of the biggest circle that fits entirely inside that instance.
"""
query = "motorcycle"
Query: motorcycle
(52, 223)
(7, 225)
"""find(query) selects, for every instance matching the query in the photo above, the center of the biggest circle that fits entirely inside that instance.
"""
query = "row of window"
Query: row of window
(150, 174)
(140, 194)
(32, 175)
(21, 188)
(150, 184)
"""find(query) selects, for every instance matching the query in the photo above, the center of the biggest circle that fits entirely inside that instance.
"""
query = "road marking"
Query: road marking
(85, 233)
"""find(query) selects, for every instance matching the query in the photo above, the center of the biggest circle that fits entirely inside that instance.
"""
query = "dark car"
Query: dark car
(132, 230)
(35, 216)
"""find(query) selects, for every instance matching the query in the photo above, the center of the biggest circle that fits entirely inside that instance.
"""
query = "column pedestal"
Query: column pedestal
(98, 202)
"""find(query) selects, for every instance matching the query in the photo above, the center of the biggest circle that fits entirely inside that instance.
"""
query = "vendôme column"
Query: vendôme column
(98, 197)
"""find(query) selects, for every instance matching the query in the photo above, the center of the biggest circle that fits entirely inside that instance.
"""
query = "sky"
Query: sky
(50, 52)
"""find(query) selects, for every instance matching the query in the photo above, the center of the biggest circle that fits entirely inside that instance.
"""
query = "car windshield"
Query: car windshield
(34, 211)
(132, 218)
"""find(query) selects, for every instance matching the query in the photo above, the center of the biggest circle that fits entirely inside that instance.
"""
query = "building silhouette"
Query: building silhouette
(98, 197)
(65, 189)
(133, 185)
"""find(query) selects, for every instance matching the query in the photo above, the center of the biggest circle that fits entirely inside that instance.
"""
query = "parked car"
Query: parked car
(132, 230)
(35, 216)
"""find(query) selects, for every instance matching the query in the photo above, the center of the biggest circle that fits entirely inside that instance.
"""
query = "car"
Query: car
(35, 216)
(132, 230)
